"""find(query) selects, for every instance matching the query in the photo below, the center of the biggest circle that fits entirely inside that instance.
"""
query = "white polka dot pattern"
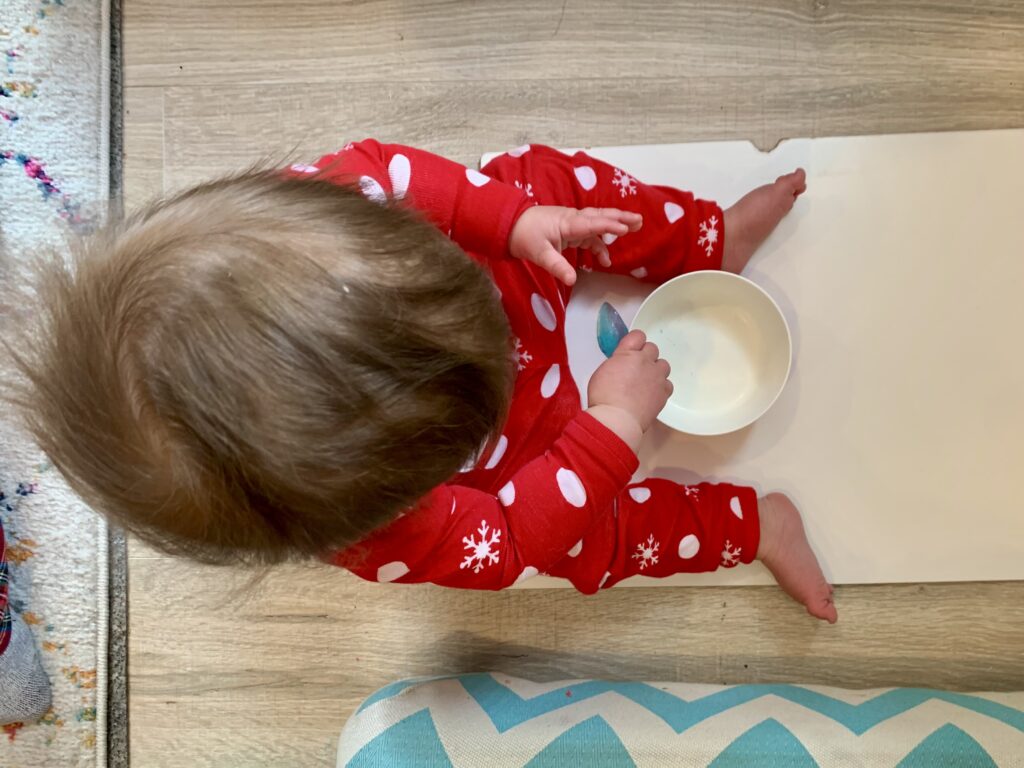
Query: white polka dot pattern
(571, 487)
(550, 382)
(399, 173)
(689, 546)
(372, 190)
(673, 212)
(391, 571)
(543, 312)
(528, 573)
(519, 151)
(499, 451)
(734, 505)
(640, 495)
(507, 494)
(585, 176)
(476, 178)
(576, 549)
(639, 273)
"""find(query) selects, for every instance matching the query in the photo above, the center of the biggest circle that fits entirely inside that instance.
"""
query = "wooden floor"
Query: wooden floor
(228, 673)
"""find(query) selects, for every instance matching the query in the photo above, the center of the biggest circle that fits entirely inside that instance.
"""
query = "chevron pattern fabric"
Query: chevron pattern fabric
(469, 721)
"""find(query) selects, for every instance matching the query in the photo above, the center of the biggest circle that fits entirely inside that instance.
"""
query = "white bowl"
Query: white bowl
(728, 345)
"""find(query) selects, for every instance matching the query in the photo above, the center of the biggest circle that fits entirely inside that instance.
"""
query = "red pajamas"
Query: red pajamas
(551, 494)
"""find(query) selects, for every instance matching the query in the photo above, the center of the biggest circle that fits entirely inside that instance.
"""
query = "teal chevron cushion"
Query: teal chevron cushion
(469, 721)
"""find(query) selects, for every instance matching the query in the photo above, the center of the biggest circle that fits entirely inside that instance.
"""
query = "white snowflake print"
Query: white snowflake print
(692, 490)
(521, 356)
(647, 552)
(528, 188)
(481, 554)
(730, 556)
(625, 183)
(708, 235)
(347, 147)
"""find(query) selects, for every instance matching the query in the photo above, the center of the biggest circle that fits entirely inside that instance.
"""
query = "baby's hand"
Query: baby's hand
(628, 391)
(542, 232)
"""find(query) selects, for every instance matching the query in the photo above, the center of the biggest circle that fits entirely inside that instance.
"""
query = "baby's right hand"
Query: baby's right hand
(633, 380)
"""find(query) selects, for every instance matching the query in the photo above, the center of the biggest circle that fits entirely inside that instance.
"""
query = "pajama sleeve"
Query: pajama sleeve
(680, 233)
(474, 210)
(463, 537)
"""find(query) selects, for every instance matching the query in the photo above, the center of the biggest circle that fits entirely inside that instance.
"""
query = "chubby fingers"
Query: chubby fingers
(556, 264)
(633, 341)
(599, 248)
(631, 219)
(636, 341)
(595, 228)
(591, 222)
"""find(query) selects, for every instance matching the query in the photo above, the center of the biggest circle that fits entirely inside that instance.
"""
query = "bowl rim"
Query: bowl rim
(722, 274)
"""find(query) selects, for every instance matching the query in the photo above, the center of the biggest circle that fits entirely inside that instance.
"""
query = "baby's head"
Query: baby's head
(265, 368)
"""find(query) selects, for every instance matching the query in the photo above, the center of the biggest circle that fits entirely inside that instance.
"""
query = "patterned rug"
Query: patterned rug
(54, 184)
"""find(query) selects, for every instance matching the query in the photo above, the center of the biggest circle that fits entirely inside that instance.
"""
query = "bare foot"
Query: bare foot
(787, 554)
(757, 213)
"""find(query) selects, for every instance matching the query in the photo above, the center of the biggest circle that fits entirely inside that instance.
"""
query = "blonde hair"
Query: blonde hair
(264, 368)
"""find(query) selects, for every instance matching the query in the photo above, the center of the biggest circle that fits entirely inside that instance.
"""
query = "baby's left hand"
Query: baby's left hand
(543, 231)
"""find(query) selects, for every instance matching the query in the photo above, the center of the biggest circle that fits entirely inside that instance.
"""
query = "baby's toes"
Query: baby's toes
(830, 614)
(801, 186)
(822, 605)
(824, 611)
(794, 184)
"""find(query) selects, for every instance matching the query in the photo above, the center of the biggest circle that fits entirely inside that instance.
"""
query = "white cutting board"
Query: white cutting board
(901, 272)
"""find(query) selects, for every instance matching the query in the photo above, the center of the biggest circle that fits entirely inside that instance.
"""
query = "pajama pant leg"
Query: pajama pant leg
(659, 528)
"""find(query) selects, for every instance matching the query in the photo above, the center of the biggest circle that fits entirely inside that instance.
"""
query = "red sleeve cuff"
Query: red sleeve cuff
(485, 214)
(615, 456)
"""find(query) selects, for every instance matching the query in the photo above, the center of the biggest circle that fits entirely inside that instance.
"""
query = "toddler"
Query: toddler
(363, 360)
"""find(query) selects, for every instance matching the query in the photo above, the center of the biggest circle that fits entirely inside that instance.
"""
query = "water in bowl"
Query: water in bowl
(714, 351)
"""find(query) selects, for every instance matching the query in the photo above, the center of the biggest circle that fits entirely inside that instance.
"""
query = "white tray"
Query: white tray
(901, 272)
